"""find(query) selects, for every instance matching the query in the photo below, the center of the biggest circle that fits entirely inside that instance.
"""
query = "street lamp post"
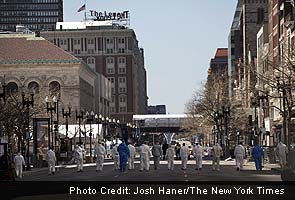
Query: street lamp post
(3, 94)
(225, 114)
(79, 117)
(238, 136)
(90, 119)
(67, 114)
(27, 102)
(51, 107)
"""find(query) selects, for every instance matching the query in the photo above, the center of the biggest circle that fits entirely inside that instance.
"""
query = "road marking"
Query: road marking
(116, 176)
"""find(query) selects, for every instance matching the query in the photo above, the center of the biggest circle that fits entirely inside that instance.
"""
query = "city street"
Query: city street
(227, 173)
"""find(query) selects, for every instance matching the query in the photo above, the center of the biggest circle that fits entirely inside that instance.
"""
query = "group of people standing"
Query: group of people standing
(124, 156)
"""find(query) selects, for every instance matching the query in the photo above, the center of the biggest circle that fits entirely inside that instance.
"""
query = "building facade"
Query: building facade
(114, 52)
(235, 50)
(33, 14)
(51, 71)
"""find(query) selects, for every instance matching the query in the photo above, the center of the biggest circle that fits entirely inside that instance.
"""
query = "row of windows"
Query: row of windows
(54, 87)
(29, 7)
(111, 41)
(120, 60)
(30, 26)
(30, 13)
(121, 90)
(111, 70)
(122, 99)
(122, 109)
(30, 20)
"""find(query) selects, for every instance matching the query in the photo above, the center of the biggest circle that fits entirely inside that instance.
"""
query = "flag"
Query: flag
(82, 8)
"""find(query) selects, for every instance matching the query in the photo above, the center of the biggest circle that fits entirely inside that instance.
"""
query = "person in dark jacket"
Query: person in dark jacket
(257, 154)
(164, 148)
(124, 154)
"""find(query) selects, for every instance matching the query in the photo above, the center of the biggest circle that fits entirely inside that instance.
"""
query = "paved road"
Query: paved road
(228, 173)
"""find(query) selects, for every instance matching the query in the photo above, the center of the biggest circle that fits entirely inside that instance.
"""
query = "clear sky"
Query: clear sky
(179, 39)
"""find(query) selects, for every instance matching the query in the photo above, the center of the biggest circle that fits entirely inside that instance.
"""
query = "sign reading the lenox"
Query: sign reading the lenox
(101, 16)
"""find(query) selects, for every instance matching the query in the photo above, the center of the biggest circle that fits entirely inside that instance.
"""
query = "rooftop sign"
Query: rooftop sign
(103, 16)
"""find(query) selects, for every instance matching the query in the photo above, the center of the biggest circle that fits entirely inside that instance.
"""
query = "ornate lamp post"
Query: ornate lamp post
(79, 117)
(67, 114)
(27, 102)
(90, 119)
(51, 106)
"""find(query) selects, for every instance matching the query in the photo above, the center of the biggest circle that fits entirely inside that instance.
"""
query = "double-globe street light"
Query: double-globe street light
(90, 120)
(66, 114)
(27, 102)
(51, 106)
(80, 117)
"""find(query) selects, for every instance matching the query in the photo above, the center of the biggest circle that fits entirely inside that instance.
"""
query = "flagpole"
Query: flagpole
(85, 12)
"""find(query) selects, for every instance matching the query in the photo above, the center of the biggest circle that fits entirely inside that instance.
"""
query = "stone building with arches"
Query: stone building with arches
(29, 62)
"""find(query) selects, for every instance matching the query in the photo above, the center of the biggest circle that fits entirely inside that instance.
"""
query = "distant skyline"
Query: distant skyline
(179, 39)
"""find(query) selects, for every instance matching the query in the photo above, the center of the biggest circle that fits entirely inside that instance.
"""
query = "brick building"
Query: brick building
(112, 51)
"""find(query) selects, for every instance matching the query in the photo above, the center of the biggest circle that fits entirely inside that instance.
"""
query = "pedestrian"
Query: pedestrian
(115, 155)
(198, 154)
(184, 153)
(177, 151)
(157, 153)
(164, 148)
(281, 151)
(132, 156)
(145, 154)
(239, 153)
(124, 155)
(19, 162)
(79, 156)
(100, 152)
(170, 157)
(216, 153)
(51, 159)
(257, 154)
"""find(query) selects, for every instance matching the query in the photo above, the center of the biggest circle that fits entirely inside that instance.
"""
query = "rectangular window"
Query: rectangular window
(122, 79)
(110, 70)
(122, 99)
(123, 109)
(122, 90)
(122, 70)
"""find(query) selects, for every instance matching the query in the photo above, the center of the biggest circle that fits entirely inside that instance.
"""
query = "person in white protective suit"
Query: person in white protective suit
(145, 154)
(184, 153)
(170, 153)
(79, 155)
(281, 151)
(19, 162)
(239, 154)
(216, 152)
(116, 157)
(132, 156)
(100, 152)
(51, 159)
(198, 154)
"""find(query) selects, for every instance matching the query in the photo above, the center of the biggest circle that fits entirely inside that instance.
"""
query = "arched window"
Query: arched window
(54, 87)
(34, 86)
(12, 87)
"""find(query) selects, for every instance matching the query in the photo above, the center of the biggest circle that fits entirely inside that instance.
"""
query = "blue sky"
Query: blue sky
(179, 39)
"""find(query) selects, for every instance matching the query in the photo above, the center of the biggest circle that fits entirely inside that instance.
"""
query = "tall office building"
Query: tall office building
(112, 51)
(33, 14)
